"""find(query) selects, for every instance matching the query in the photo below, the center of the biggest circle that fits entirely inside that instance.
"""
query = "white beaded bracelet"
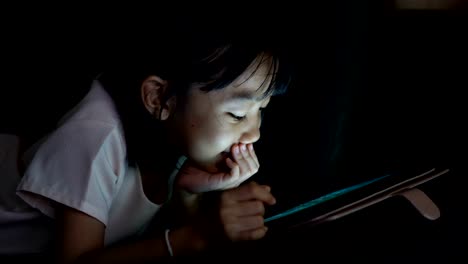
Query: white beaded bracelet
(168, 243)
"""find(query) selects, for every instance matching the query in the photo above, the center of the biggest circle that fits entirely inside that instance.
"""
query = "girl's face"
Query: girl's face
(209, 123)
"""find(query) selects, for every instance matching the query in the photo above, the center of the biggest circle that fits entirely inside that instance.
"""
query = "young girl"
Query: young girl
(181, 117)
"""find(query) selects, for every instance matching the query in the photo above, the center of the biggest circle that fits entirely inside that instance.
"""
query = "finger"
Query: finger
(251, 191)
(249, 208)
(250, 166)
(253, 154)
(254, 234)
(246, 164)
(245, 224)
(240, 160)
(236, 150)
(235, 170)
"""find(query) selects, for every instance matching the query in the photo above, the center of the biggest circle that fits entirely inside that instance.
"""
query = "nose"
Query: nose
(251, 134)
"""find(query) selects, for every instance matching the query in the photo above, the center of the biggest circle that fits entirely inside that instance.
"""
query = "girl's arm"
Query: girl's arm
(80, 239)
(233, 215)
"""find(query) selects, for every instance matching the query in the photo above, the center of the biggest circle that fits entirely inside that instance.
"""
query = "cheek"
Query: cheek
(206, 133)
(211, 136)
(198, 131)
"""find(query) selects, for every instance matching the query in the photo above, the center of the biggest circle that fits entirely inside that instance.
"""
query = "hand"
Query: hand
(237, 216)
(244, 165)
(242, 209)
(223, 217)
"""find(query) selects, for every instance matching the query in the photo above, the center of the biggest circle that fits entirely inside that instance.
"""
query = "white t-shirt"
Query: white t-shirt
(22, 228)
(82, 164)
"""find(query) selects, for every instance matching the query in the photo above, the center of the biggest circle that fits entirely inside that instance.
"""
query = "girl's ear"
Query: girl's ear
(153, 90)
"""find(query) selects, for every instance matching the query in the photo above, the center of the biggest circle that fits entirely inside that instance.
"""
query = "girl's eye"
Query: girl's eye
(236, 117)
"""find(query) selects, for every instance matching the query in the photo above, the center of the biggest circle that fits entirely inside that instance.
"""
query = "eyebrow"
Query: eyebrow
(246, 95)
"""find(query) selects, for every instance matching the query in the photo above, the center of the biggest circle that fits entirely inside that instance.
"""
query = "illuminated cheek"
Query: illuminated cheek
(225, 140)
(200, 137)
(217, 140)
(209, 135)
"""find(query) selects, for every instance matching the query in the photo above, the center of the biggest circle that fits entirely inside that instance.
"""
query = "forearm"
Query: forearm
(183, 241)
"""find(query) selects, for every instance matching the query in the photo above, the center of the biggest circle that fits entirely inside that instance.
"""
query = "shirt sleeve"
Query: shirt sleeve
(80, 165)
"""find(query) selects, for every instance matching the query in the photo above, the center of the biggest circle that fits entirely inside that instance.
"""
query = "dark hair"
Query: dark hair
(184, 54)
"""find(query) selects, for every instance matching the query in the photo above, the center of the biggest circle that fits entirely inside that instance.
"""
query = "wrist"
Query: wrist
(190, 201)
(185, 241)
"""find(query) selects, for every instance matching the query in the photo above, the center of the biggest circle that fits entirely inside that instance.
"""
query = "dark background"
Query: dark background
(385, 91)
(376, 88)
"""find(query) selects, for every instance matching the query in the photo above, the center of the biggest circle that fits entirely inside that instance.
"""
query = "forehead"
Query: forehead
(251, 86)
(253, 82)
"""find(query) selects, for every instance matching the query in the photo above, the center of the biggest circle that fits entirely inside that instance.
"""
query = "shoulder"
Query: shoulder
(79, 145)
(84, 129)
(80, 165)
(97, 106)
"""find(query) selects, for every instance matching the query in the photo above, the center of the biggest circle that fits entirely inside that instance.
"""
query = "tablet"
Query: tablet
(350, 199)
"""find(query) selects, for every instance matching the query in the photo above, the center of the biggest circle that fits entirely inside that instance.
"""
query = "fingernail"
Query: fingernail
(244, 148)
